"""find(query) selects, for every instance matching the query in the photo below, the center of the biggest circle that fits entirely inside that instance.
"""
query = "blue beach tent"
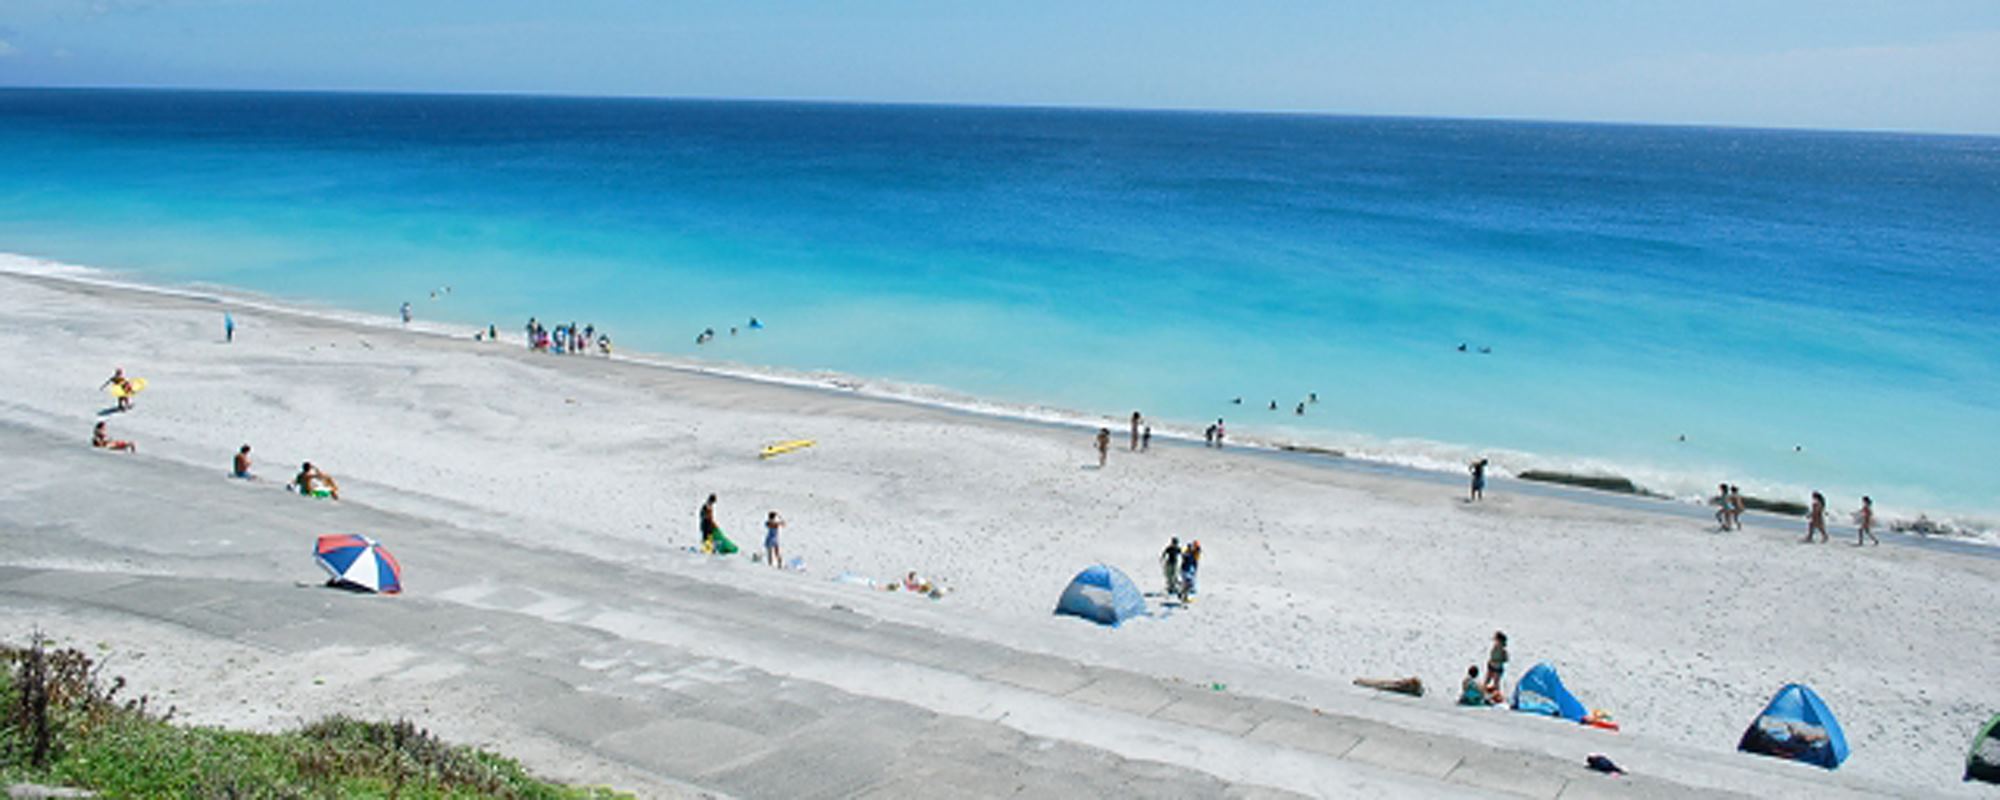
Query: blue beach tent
(1796, 725)
(1102, 595)
(1541, 691)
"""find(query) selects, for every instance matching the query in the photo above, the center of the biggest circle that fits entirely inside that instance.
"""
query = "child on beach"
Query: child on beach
(124, 384)
(240, 466)
(99, 438)
(1103, 446)
(1865, 519)
(1816, 519)
(1146, 439)
(1170, 566)
(771, 552)
(1496, 662)
(1190, 564)
(1471, 692)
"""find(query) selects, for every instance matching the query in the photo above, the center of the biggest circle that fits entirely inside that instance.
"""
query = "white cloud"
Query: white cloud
(7, 48)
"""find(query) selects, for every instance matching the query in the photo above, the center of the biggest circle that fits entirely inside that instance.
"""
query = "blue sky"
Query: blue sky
(1927, 65)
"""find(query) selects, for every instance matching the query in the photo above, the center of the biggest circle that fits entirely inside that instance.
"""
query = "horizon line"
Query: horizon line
(862, 102)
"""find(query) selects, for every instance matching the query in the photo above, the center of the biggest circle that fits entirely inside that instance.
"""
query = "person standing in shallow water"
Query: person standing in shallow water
(1722, 505)
(1865, 522)
(1816, 519)
(1478, 480)
(1103, 446)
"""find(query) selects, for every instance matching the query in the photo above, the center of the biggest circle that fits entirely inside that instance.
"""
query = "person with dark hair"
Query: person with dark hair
(1722, 505)
(1190, 564)
(1478, 479)
(1103, 446)
(771, 551)
(1135, 431)
(1865, 521)
(1736, 507)
(1170, 566)
(239, 467)
(100, 438)
(1816, 519)
(1496, 662)
(708, 526)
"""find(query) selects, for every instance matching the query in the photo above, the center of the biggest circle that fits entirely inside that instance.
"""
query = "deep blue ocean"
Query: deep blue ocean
(1808, 309)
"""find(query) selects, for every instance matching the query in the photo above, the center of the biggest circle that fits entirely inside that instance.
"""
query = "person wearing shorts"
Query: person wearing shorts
(771, 552)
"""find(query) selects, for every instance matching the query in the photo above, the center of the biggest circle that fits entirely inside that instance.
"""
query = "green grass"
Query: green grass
(123, 749)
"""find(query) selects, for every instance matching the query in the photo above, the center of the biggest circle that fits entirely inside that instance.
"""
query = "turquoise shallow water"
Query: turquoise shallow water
(1753, 291)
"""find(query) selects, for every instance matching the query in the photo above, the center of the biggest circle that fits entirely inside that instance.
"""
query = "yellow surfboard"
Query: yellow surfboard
(138, 385)
(782, 448)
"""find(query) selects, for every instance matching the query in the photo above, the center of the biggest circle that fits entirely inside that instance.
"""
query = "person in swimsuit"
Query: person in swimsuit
(771, 552)
(240, 467)
(1736, 507)
(1218, 434)
(1496, 663)
(313, 482)
(1865, 520)
(1722, 505)
(101, 439)
(119, 380)
(1135, 431)
(1816, 519)
(1146, 439)
(1478, 479)
(1190, 564)
(1103, 446)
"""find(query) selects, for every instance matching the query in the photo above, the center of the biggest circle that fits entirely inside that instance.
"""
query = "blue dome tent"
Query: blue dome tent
(1541, 691)
(1797, 725)
(1102, 595)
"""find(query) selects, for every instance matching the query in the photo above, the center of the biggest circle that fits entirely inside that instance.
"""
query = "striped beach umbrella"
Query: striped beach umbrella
(359, 562)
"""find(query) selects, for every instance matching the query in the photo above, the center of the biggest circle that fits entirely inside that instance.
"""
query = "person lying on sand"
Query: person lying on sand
(1411, 686)
(100, 439)
(314, 482)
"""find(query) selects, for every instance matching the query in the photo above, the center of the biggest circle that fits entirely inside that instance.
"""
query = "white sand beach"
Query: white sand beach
(1314, 573)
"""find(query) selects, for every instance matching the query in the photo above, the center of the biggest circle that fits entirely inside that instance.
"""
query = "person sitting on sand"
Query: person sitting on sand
(1471, 692)
(1103, 445)
(240, 467)
(99, 438)
(1496, 662)
(1865, 521)
(771, 552)
(314, 482)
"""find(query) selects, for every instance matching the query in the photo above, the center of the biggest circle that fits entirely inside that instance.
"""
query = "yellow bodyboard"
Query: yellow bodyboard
(782, 448)
(138, 385)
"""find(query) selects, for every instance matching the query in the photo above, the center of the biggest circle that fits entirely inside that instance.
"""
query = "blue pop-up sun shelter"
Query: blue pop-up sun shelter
(1797, 725)
(1541, 691)
(1103, 595)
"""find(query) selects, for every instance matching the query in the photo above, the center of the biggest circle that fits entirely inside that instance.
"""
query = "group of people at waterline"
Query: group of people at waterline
(1730, 506)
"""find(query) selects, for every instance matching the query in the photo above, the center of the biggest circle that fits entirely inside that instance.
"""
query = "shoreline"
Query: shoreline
(565, 490)
(1922, 525)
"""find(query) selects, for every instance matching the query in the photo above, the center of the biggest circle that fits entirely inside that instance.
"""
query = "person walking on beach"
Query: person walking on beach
(1816, 519)
(1103, 445)
(1135, 431)
(708, 527)
(1865, 522)
(124, 385)
(1478, 480)
(1722, 506)
(100, 438)
(1496, 662)
(1170, 566)
(771, 552)
(1190, 564)
(1736, 507)
(228, 328)
(406, 313)
(240, 466)
(1218, 433)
